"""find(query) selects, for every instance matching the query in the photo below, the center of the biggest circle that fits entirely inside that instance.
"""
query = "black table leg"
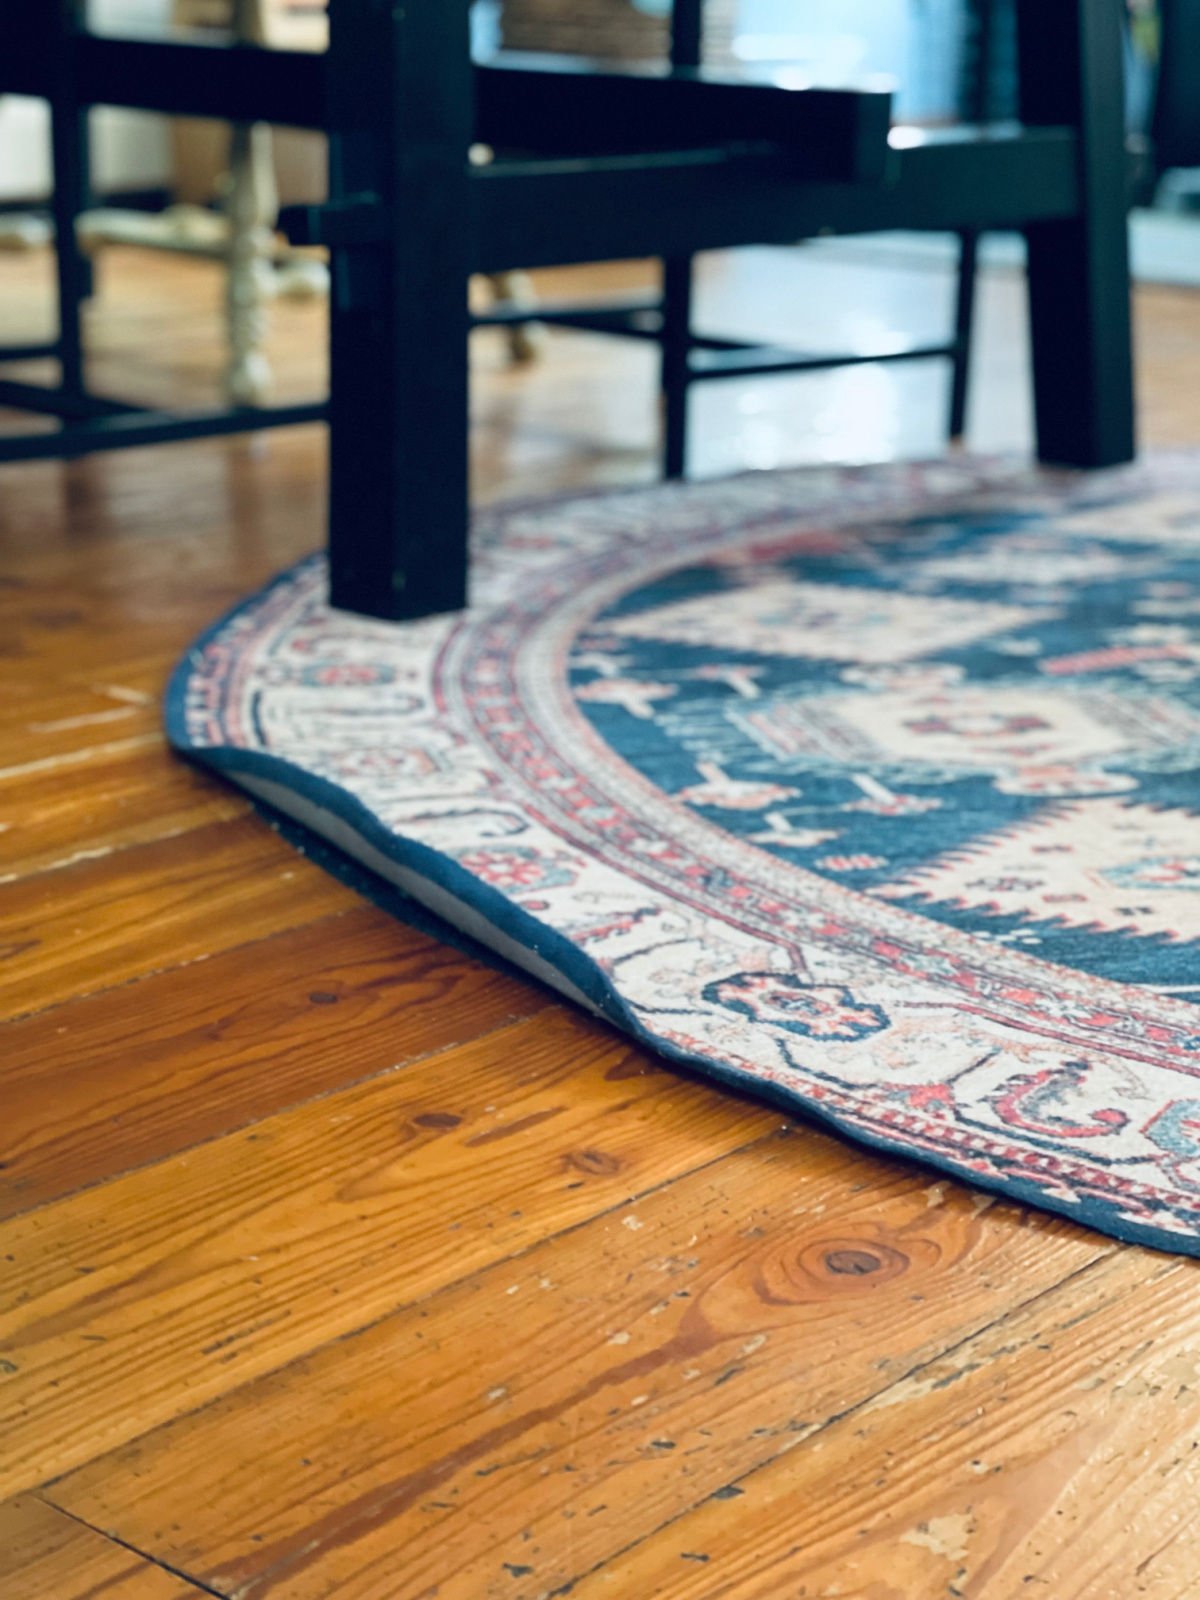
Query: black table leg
(400, 118)
(1071, 72)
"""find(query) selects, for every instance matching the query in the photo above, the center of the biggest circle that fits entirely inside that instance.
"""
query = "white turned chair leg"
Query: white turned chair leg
(252, 207)
(526, 340)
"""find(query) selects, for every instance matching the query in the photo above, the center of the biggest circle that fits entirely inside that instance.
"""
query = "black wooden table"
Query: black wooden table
(591, 165)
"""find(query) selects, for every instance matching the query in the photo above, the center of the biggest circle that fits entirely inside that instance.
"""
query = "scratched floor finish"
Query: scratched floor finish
(335, 1263)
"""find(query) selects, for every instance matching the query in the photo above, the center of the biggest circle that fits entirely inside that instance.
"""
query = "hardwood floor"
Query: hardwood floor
(338, 1264)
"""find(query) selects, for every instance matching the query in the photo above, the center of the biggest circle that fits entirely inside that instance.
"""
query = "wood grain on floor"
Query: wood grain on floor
(594, 1390)
(45, 1555)
(142, 1071)
(334, 1263)
(98, 923)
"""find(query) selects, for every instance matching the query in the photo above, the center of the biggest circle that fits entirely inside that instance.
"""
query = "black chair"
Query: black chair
(688, 358)
(591, 166)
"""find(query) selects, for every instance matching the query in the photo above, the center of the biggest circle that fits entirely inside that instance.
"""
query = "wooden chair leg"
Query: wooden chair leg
(252, 204)
(526, 340)
(252, 207)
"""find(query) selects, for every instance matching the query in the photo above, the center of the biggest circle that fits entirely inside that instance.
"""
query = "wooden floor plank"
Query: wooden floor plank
(64, 682)
(109, 611)
(46, 714)
(115, 540)
(98, 650)
(134, 1074)
(133, 1302)
(55, 815)
(1057, 1453)
(1167, 348)
(180, 582)
(516, 1430)
(45, 1555)
(100, 923)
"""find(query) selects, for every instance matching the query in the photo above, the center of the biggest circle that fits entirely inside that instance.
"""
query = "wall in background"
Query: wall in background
(606, 29)
(917, 44)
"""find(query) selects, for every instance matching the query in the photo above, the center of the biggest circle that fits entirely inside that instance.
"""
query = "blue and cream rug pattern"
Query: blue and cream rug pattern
(874, 791)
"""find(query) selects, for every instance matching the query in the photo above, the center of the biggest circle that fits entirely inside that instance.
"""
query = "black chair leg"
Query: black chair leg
(964, 320)
(687, 50)
(69, 146)
(676, 341)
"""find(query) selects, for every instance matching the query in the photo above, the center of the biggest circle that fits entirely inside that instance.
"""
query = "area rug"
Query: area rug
(875, 792)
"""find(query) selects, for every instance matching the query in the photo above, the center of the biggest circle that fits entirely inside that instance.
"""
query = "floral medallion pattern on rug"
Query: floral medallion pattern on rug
(876, 790)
